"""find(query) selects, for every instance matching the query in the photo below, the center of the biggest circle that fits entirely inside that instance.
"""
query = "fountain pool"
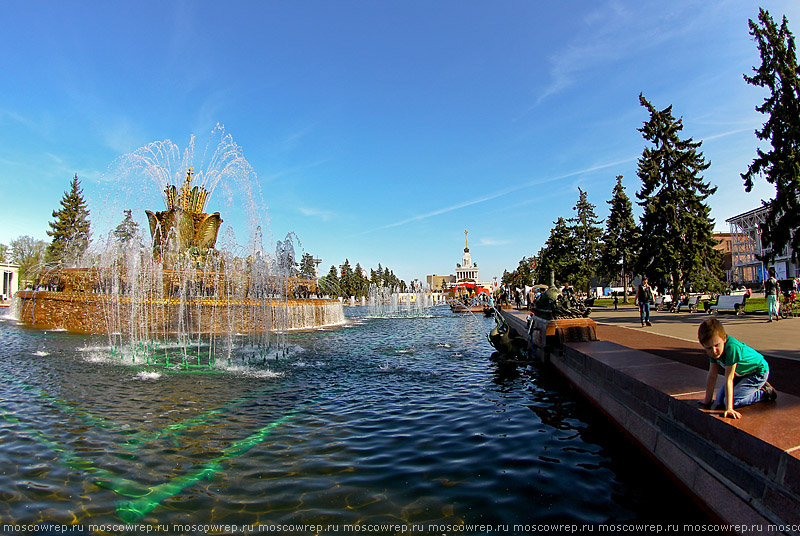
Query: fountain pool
(399, 420)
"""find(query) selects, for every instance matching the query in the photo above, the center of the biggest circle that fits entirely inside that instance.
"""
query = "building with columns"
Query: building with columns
(10, 281)
(466, 270)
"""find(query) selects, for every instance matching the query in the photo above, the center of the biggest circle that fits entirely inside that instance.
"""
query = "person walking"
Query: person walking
(771, 293)
(644, 297)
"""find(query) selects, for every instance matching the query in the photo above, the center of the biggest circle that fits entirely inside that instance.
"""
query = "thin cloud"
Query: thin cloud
(292, 139)
(120, 136)
(612, 32)
(729, 133)
(290, 171)
(489, 242)
(324, 215)
(491, 197)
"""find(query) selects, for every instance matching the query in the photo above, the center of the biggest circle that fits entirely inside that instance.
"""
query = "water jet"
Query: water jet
(177, 299)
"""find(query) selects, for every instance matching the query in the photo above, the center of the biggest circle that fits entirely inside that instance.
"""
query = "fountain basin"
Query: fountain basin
(89, 313)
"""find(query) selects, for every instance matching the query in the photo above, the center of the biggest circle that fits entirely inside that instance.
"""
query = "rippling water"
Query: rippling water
(386, 420)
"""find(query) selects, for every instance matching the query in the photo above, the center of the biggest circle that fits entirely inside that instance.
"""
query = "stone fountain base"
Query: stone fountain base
(81, 312)
(550, 335)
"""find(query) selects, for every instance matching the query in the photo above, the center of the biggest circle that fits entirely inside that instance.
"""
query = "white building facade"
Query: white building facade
(467, 270)
(10, 283)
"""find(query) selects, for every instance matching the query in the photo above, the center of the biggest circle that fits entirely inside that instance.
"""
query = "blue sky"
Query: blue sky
(378, 131)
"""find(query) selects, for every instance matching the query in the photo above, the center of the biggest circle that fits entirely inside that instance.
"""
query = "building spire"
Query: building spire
(466, 242)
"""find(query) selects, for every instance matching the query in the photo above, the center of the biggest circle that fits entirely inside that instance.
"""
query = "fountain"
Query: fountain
(387, 302)
(181, 298)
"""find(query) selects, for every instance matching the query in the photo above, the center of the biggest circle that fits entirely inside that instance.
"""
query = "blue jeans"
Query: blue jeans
(772, 305)
(746, 390)
(644, 311)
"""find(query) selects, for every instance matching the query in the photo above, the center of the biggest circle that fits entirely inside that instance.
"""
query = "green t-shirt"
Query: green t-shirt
(746, 359)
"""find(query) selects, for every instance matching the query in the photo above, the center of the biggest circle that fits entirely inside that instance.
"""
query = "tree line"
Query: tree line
(71, 236)
(349, 282)
(673, 242)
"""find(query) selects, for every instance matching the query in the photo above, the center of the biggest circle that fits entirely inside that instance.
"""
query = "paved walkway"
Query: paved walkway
(780, 339)
(674, 336)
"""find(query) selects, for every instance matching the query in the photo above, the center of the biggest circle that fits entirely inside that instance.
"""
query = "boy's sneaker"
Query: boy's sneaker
(771, 393)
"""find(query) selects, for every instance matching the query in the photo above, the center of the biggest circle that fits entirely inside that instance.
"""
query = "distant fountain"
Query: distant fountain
(388, 302)
(180, 299)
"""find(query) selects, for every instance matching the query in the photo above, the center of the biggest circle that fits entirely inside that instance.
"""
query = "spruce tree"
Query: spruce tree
(780, 165)
(677, 232)
(360, 282)
(388, 279)
(558, 254)
(376, 276)
(523, 275)
(70, 230)
(127, 230)
(307, 270)
(346, 279)
(621, 238)
(330, 283)
(587, 232)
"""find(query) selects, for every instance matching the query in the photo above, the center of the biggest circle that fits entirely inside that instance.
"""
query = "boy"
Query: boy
(746, 371)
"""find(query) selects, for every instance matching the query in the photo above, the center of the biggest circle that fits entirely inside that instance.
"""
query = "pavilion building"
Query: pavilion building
(466, 270)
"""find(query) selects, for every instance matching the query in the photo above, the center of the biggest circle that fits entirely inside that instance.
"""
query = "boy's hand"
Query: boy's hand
(732, 413)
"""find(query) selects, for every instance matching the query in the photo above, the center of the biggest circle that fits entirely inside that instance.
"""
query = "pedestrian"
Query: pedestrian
(746, 371)
(616, 301)
(568, 291)
(644, 297)
(771, 293)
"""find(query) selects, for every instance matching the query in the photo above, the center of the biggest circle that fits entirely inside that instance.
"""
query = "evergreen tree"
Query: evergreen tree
(780, 166)
(677, 232)
(307, 270)
(558, 255)
(587, 231)
(127, 230)
(388, 279)
(70, 230)
(360, 282)
(376, 276)
(329, 284)
(346, 280)
(507, 278)
(522, 276)
(621, 238)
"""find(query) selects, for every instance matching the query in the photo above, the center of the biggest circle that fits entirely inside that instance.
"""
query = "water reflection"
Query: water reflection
(402, 419)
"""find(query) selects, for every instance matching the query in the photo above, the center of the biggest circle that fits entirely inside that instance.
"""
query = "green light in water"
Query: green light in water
(133, 511)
